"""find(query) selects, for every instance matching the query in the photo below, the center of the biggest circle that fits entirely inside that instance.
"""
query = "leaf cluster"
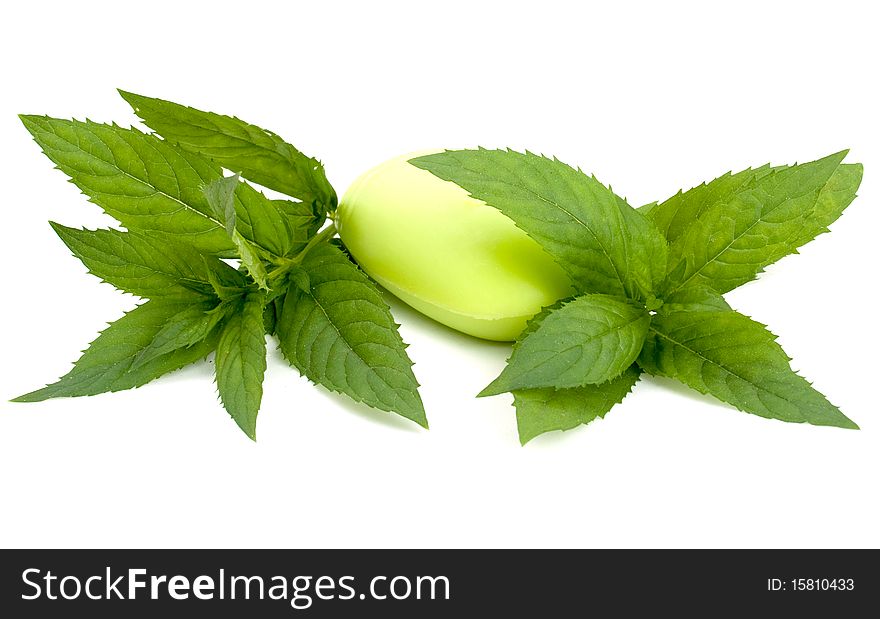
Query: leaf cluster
(650, 281)
(219, 264)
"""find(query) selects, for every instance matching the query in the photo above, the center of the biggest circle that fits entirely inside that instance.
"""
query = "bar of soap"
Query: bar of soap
(448, 255)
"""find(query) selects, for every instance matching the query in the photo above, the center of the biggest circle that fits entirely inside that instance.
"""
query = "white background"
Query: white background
(651, 97)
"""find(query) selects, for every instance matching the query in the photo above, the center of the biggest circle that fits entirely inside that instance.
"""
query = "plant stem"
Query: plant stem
(286, 264)
(327, 233)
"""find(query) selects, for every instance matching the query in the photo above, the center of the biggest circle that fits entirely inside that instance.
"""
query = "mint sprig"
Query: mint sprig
(185, 219)
(668, 264)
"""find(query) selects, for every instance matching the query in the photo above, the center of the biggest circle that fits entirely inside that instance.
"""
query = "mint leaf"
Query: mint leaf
(589, 340)
(300, 278)
(251, 261)
(240, 363)
(340, 334)
(605, 245)
(673, 216)
(153, 187)
(228, 284)
(146, 267)
(303, 222)
(695, 298)
(835, 196)
(735, 238)
(221, 197)
(188, 327)
(143, 182)
(280, 227)
(107, 363)
(737, 360)
(647, 254)
(546, 410)
(255, 153)
(269, 317)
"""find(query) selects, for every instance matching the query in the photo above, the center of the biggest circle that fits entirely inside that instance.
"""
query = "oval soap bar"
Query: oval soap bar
(446, 254)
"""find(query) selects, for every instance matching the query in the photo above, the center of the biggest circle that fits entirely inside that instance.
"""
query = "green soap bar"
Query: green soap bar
(448, 255)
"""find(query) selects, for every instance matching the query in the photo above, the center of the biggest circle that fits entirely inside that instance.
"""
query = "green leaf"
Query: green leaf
(152, 187)
(278, 227)
(251, 261)
(605, 245)
(737, 360)
(341, 335)
(107, 363)
(300, 278)
(695, 298)
(143, 182)
(255, 153)
(221, 197)
(736, 237)
(240, 363)
(836, 195)
(303, 222)
(269, 317)
(589, 340)
(647, 252)
(188, 327)
(673, 216)
(144, 266)
(545, 410)
(227, 284)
